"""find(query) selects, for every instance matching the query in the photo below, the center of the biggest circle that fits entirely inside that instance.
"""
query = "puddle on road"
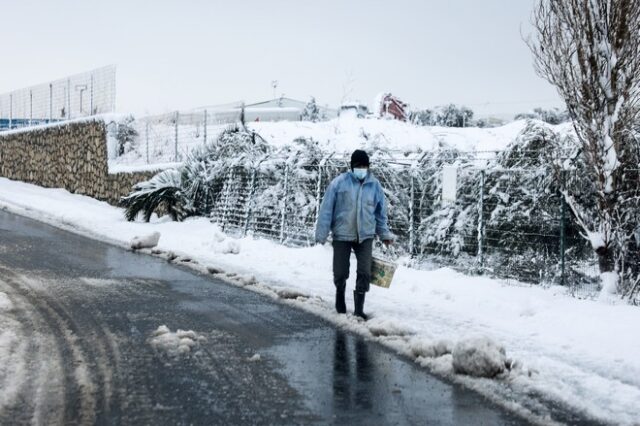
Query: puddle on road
(344, 378)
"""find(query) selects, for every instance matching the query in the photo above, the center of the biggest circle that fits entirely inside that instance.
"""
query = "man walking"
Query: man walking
(354, 210)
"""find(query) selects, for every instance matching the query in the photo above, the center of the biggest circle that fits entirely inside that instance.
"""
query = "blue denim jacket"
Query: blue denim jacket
(353, 210)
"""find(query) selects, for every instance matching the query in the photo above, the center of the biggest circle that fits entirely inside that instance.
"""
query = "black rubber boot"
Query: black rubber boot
(341, 306)
(358, 299)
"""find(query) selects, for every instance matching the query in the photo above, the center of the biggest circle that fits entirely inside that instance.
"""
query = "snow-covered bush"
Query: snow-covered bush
(450, 115)
(207, 170)
(288, 184)
(551, 116)
(164, 190)
(521, 208)
(204, 176)
(126, 135)
(394, 180)
(446, 228)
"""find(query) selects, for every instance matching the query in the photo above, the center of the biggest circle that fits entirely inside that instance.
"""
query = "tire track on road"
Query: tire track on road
(83, 353)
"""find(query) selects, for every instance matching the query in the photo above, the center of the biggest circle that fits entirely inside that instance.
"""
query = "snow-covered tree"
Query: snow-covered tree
(450, 115)
(311, 111)
(124, 133)
(590, 51)
(522, 198)
(454, 116)
(423, 117)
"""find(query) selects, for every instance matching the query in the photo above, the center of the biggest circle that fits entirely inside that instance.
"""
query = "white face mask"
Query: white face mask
(360, 173)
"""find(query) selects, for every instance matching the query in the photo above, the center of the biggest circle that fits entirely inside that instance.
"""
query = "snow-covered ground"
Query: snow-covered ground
(580, 353)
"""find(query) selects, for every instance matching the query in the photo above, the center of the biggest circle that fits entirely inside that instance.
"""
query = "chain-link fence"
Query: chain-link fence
(80, 95)
(168, 138)
(474, 233)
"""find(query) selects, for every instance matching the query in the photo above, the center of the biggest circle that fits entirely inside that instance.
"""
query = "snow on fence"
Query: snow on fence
(279, 202)
(82, 95)
(167, 138)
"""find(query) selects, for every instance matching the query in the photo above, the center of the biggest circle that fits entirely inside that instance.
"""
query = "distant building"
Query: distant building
(15, 123)
(354, 109)
(389, 106)
(282, 109)
(279, 109)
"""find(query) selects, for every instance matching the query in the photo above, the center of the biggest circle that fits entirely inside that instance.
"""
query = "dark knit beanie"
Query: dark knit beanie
(359, 158)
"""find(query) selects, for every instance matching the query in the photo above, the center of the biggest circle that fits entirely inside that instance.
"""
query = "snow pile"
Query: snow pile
(229, 246)
(222, 244)
(255, 358)
(479, 357)
(147, 241)
(290, 293)
(384, 327)
(99, 282)
(430, 349)
(175, 343)
(5, 302)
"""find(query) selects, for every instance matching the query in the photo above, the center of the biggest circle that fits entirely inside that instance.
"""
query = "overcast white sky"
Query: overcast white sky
(180, 54)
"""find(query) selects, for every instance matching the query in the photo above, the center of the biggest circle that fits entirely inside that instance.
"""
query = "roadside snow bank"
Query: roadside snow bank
(582, 354)
(479, 357)
(146, 241)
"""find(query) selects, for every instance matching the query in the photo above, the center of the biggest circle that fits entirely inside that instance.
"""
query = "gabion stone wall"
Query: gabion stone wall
(72, 156)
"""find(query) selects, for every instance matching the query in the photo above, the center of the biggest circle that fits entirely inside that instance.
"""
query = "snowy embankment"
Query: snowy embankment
(340, 135)
(560, 351)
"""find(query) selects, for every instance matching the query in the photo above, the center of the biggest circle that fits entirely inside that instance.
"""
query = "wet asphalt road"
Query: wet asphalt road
(83, 317)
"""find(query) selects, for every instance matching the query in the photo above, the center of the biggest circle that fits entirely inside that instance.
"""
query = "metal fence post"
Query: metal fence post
(176, 138)
(411, 214)
(50, 102)
(205, 126)
(30, 107)
(318, 191)
(10, 111)
(227, 198)
(562, 227)
(249, 205)
(146, 138)
(91, 97)
(69, 99)
(283, 211)
(481, 222)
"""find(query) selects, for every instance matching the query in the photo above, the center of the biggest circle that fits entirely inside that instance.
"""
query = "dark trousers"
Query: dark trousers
(341, 263)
